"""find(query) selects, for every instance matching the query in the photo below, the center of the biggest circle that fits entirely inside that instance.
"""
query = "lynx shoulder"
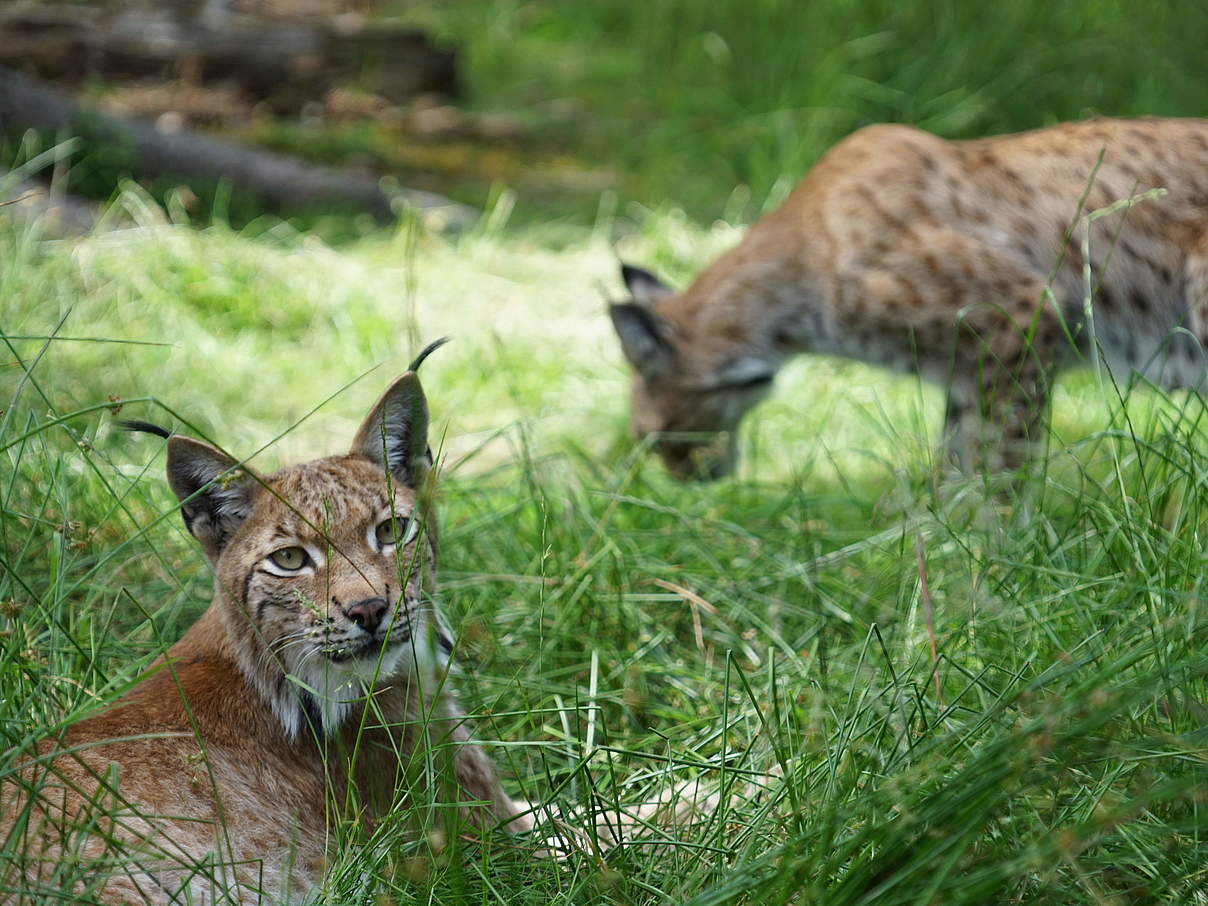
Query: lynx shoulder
(312, 691)
(961, 261)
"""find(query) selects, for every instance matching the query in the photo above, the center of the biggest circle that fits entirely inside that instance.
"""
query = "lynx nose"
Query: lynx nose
(367, 613)
(700, 460)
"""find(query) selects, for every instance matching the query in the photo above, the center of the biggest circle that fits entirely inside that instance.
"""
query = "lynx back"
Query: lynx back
(960, 261)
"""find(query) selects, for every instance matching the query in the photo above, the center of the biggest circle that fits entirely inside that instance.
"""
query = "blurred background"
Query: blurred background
(574, 108)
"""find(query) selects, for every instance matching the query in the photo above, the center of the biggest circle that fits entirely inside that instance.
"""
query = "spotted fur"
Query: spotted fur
(960, 261)
(303, 696)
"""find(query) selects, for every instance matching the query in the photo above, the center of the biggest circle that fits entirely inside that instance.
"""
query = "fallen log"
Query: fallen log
(286, 63)
(281, 183)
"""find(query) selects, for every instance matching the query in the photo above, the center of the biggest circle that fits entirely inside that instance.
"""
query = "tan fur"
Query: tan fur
(220, 755)
(919, 254)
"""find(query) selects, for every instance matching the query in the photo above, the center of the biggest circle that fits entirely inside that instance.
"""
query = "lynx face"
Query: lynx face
(327, 574)
(693, 429)
(324, 569)
(689, 409)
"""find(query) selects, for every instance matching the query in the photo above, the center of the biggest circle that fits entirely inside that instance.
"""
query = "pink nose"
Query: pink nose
(367, 613)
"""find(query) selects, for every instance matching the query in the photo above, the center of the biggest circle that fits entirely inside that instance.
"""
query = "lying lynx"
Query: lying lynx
(961, 261)
(311, 691)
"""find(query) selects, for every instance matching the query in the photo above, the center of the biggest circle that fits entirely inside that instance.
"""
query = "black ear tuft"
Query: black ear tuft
(142, 427)
(427, 351)
(644, 286)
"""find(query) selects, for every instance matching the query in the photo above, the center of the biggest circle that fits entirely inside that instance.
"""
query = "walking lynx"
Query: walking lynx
(961, 261)
(312, 691)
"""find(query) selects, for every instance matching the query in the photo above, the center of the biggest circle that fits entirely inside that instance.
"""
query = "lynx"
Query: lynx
(314, 686)
(960, 261)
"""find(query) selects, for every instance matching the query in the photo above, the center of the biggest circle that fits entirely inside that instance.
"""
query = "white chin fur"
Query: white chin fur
(336, 686)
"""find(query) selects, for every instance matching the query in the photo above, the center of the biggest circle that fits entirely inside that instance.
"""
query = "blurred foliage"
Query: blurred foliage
(716, 107)
(721, 106)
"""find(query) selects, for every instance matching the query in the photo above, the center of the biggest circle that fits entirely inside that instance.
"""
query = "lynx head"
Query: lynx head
(688, 394)
(323, 569)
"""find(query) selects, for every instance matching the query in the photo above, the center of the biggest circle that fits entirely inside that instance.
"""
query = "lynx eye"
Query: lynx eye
(395, 530)
(289, 558)
(753, 382)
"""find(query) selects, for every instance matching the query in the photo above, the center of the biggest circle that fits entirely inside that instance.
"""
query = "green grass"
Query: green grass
(621, 632)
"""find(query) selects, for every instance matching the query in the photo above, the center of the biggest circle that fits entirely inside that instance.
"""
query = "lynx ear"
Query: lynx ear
(395, 433)
(644, 286)
(215, 492)
(644, 339)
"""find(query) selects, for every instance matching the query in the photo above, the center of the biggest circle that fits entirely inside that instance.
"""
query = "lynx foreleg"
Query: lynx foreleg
(478, 781)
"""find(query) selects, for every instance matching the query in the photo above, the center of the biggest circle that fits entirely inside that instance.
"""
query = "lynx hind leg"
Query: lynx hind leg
(988, 431)
(997, 411)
